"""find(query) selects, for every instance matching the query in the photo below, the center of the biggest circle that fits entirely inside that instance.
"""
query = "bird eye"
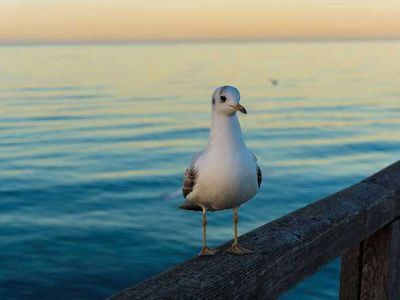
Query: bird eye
(223, 98)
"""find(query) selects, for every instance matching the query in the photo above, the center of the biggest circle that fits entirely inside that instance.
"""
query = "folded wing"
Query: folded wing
(259, 173)
(189, 181)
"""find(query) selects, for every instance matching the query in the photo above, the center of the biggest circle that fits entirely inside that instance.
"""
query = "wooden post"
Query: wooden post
(371, 270)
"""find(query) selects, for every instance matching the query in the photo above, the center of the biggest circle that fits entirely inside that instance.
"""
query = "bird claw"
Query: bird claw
(207, 251)
(236, 249)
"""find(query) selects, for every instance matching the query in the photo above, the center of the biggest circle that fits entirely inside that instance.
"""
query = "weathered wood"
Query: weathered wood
(371, 270)
(350, 274)
(286, 250)
(375, 265)
(394, 272)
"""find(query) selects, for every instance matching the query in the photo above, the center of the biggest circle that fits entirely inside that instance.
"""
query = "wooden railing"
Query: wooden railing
(360, 223)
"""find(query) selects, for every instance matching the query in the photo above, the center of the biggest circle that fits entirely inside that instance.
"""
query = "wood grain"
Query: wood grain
(394, 271)
(375, 265)
(350, 273)
(371, 270)
(286, 250)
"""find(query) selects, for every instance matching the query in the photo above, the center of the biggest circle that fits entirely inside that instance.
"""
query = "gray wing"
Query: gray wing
(189, 181)
(259, 176)
(259, 173)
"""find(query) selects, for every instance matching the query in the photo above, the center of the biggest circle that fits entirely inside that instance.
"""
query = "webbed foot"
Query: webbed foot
(236, 249)
(207, 251)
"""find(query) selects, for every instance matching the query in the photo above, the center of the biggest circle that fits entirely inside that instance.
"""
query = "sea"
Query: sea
(95, 138)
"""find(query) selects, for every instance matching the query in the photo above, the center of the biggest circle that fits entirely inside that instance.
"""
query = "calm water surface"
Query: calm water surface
(93, 137)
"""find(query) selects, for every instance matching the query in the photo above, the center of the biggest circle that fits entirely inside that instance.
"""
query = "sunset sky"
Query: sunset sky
(133, 20)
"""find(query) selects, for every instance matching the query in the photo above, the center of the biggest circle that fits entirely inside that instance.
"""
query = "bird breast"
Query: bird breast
(225, 179)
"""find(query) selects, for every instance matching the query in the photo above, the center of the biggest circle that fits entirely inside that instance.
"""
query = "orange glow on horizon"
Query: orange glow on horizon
(107, 20)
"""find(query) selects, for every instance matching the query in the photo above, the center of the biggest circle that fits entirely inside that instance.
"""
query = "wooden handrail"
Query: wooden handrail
(357, 221)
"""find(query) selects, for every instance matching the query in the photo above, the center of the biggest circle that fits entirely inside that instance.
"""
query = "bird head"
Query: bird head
(225, 101)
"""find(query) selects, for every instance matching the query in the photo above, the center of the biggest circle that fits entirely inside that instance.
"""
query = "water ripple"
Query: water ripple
(86, 154)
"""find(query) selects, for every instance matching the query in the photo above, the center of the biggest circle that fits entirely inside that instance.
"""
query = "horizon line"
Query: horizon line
(190, 41)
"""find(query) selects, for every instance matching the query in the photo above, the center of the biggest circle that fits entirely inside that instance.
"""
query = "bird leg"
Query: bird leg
(235, 248)
(205, 250)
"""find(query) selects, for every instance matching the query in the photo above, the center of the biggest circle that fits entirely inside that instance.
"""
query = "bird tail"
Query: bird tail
(189, 205)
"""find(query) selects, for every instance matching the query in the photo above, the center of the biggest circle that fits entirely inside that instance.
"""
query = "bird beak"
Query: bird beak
(240, 108)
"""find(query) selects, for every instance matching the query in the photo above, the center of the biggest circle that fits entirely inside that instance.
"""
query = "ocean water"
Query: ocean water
(92, 138)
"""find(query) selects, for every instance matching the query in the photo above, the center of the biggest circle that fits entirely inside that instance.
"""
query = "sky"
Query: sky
(154, 20)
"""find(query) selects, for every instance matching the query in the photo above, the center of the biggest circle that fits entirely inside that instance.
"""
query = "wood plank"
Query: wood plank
(394, 272)
(375, 265)
(380, 265)
(371, 269)
(287, 250)
(350, 273)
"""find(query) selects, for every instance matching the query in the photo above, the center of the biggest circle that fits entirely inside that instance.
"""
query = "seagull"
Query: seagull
(225, 174)
(274, 81)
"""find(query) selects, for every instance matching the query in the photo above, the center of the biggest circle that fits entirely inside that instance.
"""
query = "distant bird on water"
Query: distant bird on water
(225, 174)
(274, 81)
